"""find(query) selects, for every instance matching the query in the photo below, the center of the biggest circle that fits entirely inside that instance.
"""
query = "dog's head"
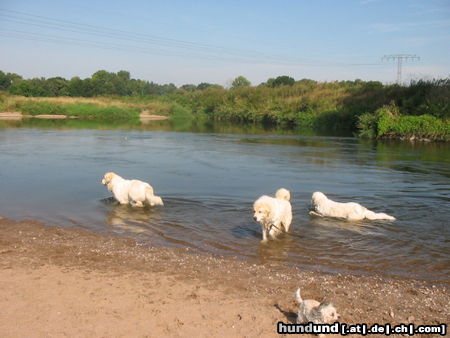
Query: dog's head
(107, 178)
(325, 313)
(283, 194)
(261, 209)
(318, 198)
(155, 200)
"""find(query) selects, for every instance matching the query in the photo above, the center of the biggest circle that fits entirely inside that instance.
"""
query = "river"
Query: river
(209, 177)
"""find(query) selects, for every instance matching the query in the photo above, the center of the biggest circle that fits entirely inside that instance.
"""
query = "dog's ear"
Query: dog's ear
(109, 176)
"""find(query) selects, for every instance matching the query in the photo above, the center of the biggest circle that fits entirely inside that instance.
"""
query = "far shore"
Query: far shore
(144, 117)
(72, 282)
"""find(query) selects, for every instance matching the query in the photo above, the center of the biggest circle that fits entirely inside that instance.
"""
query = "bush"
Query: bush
(367, 124)
(387, 122)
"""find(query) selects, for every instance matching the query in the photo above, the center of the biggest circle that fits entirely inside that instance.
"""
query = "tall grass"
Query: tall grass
(80, 110)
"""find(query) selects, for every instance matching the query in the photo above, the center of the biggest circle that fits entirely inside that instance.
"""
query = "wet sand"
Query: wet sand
(58, 282)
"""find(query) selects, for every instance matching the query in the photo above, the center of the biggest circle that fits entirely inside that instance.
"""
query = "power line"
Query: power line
(400, 58)
(91, 30)
(172, 47)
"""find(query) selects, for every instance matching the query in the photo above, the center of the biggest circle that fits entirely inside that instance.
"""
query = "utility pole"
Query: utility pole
(400, 58)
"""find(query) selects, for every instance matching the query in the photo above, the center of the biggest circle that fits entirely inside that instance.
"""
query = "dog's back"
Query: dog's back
(119, 188)
(142, 192)
(282, 197)
(350, 210)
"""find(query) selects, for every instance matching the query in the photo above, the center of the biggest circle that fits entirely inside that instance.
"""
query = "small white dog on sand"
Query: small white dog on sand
(274, 214)
(134, 192)
(351, 211)
(311, 310)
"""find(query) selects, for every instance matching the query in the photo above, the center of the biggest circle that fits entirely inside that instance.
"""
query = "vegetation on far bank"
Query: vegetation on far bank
(419, 110)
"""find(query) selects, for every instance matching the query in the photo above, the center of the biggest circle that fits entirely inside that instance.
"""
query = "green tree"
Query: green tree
(80, 88)
(204, 85)
(189, 87)
(57, 86)
(240, 81)
(102, 82)
(7, 79)
(33, 87)
(283, 80)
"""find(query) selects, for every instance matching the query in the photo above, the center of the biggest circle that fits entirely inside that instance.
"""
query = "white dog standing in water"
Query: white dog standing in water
(274, 214)
(351, 211)
(134, 192)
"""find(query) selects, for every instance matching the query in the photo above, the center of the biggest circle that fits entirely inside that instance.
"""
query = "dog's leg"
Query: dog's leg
(138, 204)
(313, 213)
(275, 230)
(287, 220)
(374, 216)
(264, 233)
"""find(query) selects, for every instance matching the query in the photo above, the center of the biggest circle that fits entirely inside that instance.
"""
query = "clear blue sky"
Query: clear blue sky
(215, 41)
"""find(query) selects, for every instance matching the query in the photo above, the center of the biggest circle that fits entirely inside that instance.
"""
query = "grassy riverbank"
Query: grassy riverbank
(108, 108)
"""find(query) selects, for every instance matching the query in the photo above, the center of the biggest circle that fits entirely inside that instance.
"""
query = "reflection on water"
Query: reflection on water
(193, 125)
(210, 174)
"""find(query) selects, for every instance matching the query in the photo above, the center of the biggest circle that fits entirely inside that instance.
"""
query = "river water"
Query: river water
(209, 177)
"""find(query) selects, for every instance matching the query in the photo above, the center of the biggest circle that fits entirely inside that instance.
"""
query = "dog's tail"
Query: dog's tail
(283, 194)
(152, 200)
(373, 215)
(298, 296)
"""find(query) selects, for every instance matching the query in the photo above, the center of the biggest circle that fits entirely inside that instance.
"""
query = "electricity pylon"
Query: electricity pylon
(400, 58)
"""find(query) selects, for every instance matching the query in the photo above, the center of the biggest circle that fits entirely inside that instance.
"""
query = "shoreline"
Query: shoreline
(143, 117)
(74, 282)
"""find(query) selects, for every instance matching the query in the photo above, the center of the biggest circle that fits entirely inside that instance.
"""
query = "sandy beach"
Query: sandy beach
(58, 282)
(144, 117)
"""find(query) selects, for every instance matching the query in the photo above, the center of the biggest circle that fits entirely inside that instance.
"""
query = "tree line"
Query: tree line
(108, 83)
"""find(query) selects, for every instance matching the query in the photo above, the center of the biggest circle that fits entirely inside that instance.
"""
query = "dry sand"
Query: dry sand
(57, 282)
(144, 117)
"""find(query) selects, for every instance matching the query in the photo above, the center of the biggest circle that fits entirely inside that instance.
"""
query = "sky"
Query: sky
(189, 42)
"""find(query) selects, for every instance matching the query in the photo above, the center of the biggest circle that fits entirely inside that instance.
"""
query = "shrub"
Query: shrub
(387, 122)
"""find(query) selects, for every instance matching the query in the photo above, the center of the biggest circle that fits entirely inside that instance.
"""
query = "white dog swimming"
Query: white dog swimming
(134, 192)
(274, 214)
(311, 310)
(351, 211)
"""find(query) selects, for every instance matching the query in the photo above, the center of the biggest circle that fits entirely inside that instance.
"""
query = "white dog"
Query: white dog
(134, 192)
(351, 211)
(311, 310)
(274, 214)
